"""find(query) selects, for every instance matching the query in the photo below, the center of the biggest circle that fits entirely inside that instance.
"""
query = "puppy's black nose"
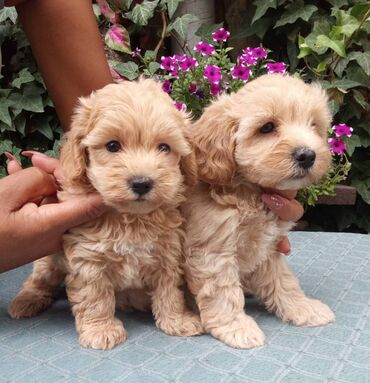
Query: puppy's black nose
(141, 185)
(304, 157)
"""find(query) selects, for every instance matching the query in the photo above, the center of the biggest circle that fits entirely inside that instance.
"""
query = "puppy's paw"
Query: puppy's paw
(309, 313)
(241, 332)
(188, 324)
(29, 303)
(103, 336)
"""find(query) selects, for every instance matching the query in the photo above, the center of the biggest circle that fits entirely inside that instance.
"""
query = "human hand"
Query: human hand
(286, 207)
(31, 230)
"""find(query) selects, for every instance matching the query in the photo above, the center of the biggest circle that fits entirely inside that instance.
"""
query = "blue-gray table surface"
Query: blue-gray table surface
(331, 266)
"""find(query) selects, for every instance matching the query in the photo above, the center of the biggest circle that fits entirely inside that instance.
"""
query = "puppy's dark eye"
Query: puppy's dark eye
(113, 146)
(267, 128)
(164, 148)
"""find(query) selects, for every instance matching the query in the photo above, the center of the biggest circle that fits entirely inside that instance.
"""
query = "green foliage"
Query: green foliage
(328, 42)
(27, 118)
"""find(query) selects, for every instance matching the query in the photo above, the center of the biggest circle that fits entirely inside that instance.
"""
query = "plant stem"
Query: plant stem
(163, 33)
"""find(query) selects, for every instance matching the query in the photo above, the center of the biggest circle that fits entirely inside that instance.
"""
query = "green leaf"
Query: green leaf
(322, 66)
(118, 39)
(172, 5)
(337, 46)
(4, 112)
(338, 3)
(363, 59)
(142, 12)
(363, 188)
(357, 74)
(24, 76)
(345, 25)
(153, 67)
(304, 49)
(129, 70)
(344, 84)
(360, 99)
(359, 10)
(30, 100)
(262, 7)
(8, 13)
(180, 25)
(334, 107)
(20, 124)
(352, 143)
(150, 55)
(6, 146)
(341, 66)
(296, 10)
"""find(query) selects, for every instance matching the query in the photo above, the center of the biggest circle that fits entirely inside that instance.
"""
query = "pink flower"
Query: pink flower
(221, 35)
(136, 52)
(247, 59)
(259, 53)
(342, 130)
(180, 106)
(241, 72)
(188, 64)
(167, 63)
(174, 73)
(178, 58)
(212, 73)
(278, 67)
(192, 88)
(215, 89)
(337, 145)
(204, 48)
(166, 86)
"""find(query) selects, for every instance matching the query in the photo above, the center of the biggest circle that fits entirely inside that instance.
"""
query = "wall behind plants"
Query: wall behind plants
(329, 42)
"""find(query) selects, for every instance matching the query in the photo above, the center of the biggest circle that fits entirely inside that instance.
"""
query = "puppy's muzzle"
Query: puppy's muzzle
(141, 185)
(304, 158)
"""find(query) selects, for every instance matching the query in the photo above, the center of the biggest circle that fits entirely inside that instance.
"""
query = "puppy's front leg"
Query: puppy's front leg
(214, 280)
(92, 296)
(274, 283)
(168, 300)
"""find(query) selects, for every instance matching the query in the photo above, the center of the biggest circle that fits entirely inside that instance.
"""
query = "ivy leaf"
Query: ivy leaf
(295, 11)
(360, 99)
(346, 24)
(171, 5)
(359, 10)
(353, 143)
(4, 112)
(126, 3)
(118, 39)
(142, 12)
(8, 13)
(344, 84)
(363, 59)
(24, 76)
(357, 74)
(338, 3)
(262, 7)
(129, 70)
(30, 100)
(363, 188)
(6, 146)
(337, 46)
(180, 25)
(153, 67)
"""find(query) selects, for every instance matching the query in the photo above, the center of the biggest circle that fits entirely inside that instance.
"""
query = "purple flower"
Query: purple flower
(342, 130)
(204, 48)
(241, 72)
(188, 64)
(174, 73)
(259, 53)
(220, 35)
(337, 145)
(136, 52)
(179, 58)
(278, 67)
(200, 94)
(247, 59)
(212, 73)
(166, 86)
(180, 106)
(215, 89)
(167, 63)
(192, 88)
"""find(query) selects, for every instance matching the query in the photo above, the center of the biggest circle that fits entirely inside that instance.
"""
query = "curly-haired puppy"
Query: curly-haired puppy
(270, 134)
(127, 143)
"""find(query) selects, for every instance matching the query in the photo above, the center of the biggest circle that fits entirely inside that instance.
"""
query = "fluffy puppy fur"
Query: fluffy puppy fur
(124, 137)
(253, 139)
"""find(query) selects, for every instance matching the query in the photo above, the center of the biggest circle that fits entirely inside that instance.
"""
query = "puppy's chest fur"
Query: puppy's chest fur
(128, 249)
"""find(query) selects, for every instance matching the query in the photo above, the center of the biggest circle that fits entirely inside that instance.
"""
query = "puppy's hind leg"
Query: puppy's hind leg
(39, 290)
(274, 283)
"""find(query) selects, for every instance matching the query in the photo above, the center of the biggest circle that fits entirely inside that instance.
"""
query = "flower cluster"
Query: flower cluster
(336, 144)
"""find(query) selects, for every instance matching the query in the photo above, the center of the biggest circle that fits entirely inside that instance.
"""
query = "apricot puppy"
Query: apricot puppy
(270, 134)
(127, 143)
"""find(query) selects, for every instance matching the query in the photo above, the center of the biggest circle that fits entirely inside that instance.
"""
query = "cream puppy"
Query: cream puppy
(127, 143)
(270, 134)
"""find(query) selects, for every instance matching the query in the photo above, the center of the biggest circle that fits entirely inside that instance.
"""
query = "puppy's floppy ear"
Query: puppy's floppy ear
(213, 140)
(73, 156)
(188, 166)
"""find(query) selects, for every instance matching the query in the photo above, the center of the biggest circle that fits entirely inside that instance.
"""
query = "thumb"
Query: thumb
(73, 212)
